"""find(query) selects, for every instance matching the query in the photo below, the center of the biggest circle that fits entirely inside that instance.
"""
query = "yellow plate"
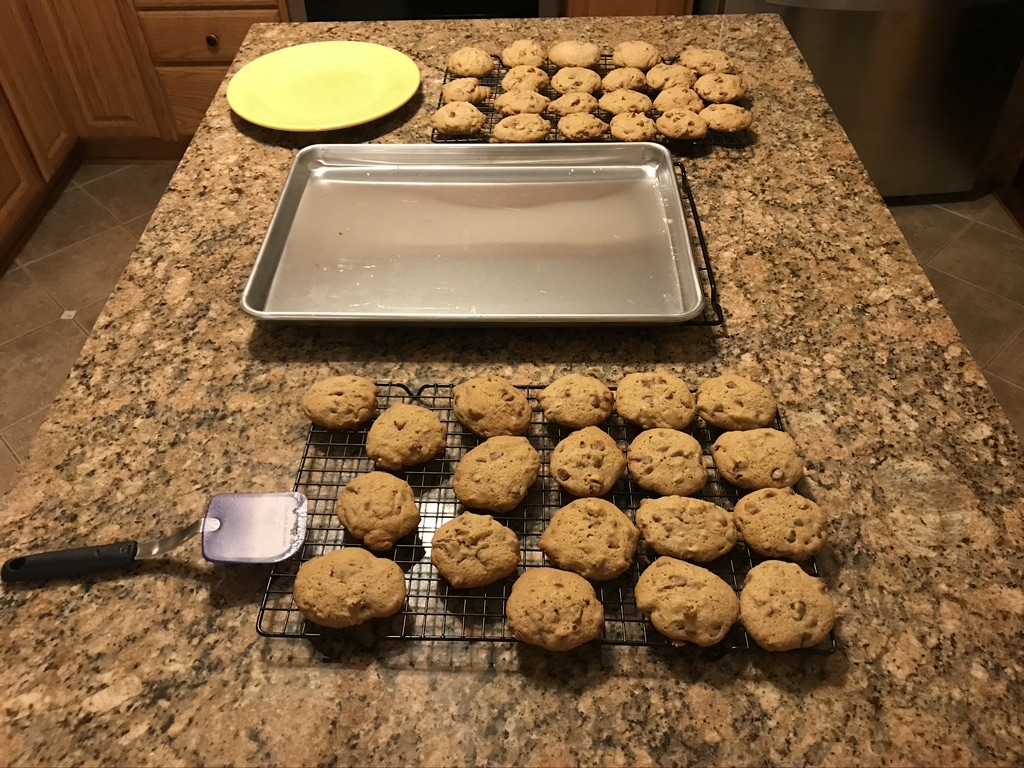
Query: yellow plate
(323, 86)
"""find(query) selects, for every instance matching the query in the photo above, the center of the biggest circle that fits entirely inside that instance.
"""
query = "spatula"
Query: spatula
(237, 528)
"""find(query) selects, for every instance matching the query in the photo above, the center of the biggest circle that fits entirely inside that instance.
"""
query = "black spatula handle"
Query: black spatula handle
(70, 563)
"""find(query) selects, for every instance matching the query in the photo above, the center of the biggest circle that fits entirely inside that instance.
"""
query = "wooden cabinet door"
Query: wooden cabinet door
(31, 90)
(21, 184)
(107, 76)
(629, 7)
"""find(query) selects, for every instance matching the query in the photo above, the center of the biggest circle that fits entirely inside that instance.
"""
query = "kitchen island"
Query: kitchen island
(179, 395)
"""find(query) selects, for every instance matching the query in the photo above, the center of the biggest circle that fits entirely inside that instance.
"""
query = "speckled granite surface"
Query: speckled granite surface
(179, 395)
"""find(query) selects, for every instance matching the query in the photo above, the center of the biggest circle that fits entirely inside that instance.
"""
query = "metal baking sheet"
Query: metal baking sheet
(451, 234)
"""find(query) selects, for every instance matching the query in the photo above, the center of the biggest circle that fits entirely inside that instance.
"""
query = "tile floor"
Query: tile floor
(973, 252)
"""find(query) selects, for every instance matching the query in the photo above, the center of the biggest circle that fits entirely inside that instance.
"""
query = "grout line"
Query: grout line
(105, 175)
(7, 442)
(1013, 337)
(969, 223)
(10, 449)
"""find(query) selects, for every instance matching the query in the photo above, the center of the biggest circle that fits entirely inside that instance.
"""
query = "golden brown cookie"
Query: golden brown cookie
(404, 435)
(631, 126)
(705, 60)
(636, 53)
(554, 609)
(348, 587)
(719, 88)
(521, 103)
(626, 77)
(497, 474)
(573, 103)
(573, 53)
(591, 537)
(490, 405)
(655, 399)
(665, 76)
(582, 127)
(687, 603)
(465, 89)
(678, 97)
(521, 129)
(779, 523)
(474, 551)
(458, 118)
(783, 607)
(378, 509)
(525, 78)
(667, 461)
(587, 462)
(523, 53)
(576, 80)
(758, 458)
(686, 528)
(470, 62)
(340, 402)
(624, 100)
(727, 118)
(735, 402)
(576, 401)
(681, 124)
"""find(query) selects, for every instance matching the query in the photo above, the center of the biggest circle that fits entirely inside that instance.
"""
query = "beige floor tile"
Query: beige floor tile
(35, 367)
(972, 209)
(86, 272)
(132, 191)
(987, 258)
(90, 171)
(24, 305)
(86, 316)
(986, 321)
(19, 435)
(8, 469)
(1011, 398)
(1008, 364)
(138, 226)
(997, 216)
(927, 228)
(74, 216)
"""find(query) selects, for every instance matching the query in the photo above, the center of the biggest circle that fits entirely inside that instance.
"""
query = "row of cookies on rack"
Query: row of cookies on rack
(692, 96)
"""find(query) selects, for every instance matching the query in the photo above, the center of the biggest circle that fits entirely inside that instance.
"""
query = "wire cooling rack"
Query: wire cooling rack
(433, 609)
(492, 117)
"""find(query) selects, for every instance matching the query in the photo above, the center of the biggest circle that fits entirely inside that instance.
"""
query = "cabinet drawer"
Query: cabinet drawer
(199, 36)
(189, 91)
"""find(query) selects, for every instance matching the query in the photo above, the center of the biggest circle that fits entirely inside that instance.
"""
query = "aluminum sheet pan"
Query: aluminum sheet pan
(450, 234)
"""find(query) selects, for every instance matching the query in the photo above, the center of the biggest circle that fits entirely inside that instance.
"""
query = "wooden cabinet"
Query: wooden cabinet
(21, 183)
(108, 81)
(31, 90)
(629, 7)
(192, 42)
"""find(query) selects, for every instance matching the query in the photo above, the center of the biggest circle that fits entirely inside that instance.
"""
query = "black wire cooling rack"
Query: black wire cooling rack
(436, 611)
(492, 116)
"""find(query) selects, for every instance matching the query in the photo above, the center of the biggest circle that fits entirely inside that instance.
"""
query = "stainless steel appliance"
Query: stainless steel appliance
(919, 85)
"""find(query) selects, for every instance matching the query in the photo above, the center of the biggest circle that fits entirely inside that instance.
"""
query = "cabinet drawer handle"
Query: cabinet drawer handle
(212, 41)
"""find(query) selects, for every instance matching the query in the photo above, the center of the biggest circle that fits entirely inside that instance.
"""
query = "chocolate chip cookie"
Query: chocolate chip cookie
(576, 401)
(686, 528)
(470, 62)
(758, 458)
(497, 474)
(348, 587)
(474, 551)
(783, 607)
(687, 603)
(587, 462)
(404, 435)
(490, 405)
(554, 609)
(521, 129)
(655, 399)
(573, 53)
(735, 402)
(340, 402)
(779, 523)
(591, 537)
(378, 509)
(667, 461)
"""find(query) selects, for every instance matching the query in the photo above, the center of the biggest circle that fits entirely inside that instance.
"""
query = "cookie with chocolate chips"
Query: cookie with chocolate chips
(758, 458)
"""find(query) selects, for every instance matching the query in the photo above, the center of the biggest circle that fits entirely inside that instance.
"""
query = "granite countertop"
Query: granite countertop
(178, 396)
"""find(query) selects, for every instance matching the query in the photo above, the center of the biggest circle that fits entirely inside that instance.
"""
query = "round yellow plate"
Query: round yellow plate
(323, 86)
